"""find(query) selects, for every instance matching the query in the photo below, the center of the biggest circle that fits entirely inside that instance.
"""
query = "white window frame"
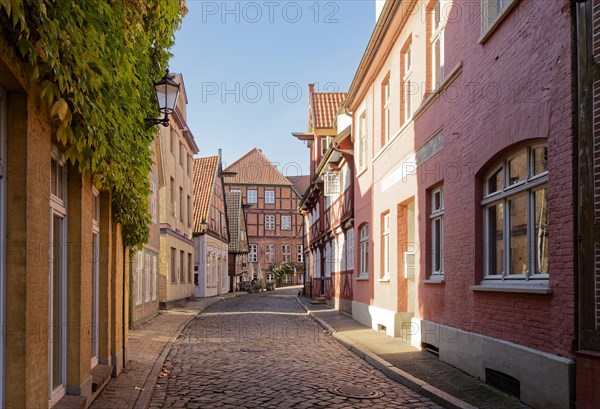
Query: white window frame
(437, 216)
(362, 140)
(269, 253)
(95, 276)
(299, 253)
(58, 206)
(252, 196)
(286, 253)
(269, 197)
(386, 246)
(253, 253)
(332, 185)
(437, 36)
(269, 278)
(502, 196)
(386, 89)
(153, 202)
(300, 279)
(147, 274)
(287, 279)
(492, 11)
(325, 142)
(139, 267)
(286, 222)
(364, 252)
(269, 222)
(407, 82)
(3, 176)
(153, 278)
(349, 243)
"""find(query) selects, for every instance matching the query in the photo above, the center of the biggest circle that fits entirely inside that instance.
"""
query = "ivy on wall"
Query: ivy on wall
(95, 62)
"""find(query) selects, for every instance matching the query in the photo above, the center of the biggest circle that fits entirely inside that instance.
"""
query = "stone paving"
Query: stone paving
(144, 346)
(263, 351)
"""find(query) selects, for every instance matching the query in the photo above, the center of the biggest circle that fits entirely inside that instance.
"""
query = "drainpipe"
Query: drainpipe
(123, 314)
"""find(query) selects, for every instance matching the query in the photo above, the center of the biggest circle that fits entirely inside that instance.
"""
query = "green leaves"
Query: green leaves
(95, 63)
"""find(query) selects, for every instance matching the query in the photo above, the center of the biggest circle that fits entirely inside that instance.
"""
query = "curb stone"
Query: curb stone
(435, 394)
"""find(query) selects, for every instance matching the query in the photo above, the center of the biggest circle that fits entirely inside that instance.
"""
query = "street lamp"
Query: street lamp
(167, 91)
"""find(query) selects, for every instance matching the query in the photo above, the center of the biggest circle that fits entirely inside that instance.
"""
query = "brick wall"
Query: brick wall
(514, 88)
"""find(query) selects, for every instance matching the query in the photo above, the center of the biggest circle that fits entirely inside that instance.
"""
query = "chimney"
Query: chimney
(311, 88)
(220, 152)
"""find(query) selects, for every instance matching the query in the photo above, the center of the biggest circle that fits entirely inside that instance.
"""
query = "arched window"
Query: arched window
(515, 207)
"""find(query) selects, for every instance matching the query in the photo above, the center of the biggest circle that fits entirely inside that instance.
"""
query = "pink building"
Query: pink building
(463, 148)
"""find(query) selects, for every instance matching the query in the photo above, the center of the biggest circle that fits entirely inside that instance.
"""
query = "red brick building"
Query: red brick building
(273, 222)
(328, 204)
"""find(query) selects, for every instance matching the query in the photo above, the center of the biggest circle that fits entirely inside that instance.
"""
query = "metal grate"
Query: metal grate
(431, 348)
(503, 382)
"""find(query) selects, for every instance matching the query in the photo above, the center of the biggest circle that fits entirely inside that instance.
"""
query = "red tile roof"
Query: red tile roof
(255, 169)
(205, 175)
(301, 183)
(325, 106)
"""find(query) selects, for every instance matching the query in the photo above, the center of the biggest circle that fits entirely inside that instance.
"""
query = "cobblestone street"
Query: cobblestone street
(261, 350)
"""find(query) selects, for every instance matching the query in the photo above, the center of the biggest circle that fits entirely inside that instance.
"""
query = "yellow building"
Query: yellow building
(61, 260)
(176, 170)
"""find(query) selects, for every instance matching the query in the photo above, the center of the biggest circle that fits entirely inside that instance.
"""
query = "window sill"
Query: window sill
(435, 280)
(361, 172)
(384, 280)
(362, 278)
(513, 288)
(452, 75)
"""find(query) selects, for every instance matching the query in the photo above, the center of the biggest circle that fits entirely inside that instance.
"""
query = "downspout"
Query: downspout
(124, 288)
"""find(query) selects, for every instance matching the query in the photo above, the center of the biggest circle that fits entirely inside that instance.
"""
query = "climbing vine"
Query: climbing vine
(95, 62)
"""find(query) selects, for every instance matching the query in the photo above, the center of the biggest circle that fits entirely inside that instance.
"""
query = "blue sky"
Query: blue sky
(247, 65)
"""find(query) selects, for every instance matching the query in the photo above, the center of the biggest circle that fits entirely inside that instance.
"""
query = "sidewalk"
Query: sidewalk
(148, 347)
(419, 370)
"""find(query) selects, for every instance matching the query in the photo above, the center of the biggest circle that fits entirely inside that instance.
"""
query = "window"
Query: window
(325, 142)
(270, 277)
(350, 249)
(181, 270)
(300, 279)
(190, 209)
(181, 150)
(385, 104)
(269, 196)
(364, 252)
(153, 278)
(407, 80)
(286, 253)
(385, 250)
(252, 196)
(173, 271)
(435, 27)
(172, 140)
(189, 267)
(515, 209)
(172, 195)
(190, 165)
(270, 253)
(57, 275)
(332, 184)
(287, 279)
(270, 222)
(181, 204)
(153, 202)
(286, 222)
(138, 262)
(299, 253)
(253, 253)
(491, 11)
(147, 278)
(437, 232)
(362, 141)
